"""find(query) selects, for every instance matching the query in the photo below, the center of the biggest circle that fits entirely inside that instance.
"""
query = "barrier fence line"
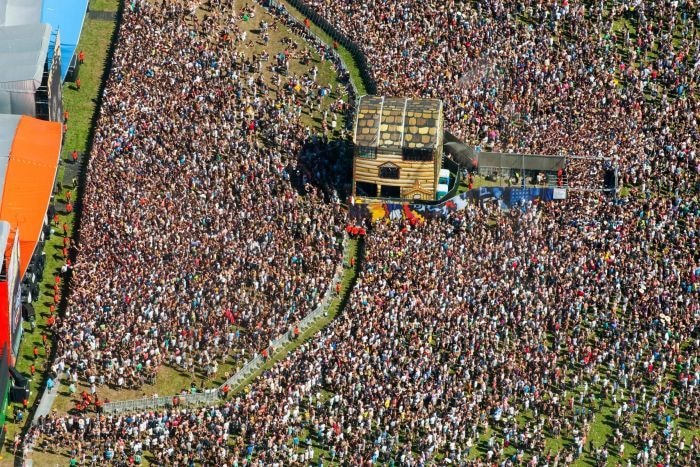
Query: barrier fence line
(162, 401)
(303, 325)
(250, 367)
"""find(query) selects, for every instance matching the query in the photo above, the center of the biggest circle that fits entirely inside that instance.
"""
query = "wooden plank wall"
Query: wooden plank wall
(367, 170)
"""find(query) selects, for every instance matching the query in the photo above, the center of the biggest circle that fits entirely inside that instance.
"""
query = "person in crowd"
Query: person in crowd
(608, 79)
(485, 337)
(204, 236)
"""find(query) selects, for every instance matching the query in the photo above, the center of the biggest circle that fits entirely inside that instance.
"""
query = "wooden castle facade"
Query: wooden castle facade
(398, 148)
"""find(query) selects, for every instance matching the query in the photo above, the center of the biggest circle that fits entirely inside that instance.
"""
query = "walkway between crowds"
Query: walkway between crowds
(47, 399)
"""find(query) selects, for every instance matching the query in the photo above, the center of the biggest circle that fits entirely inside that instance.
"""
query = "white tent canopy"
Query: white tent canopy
(8, 128)
(19, 12)
(23, 51)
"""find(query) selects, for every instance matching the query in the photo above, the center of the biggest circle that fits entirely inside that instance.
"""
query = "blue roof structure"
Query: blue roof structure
(65, 17)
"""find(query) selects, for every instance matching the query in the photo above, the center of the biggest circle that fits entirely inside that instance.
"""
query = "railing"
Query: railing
(133, 405)
(249, 368)
(254, 364)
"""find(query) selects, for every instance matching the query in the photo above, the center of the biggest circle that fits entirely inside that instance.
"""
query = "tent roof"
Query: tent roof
(8, 128)
(29, 180)
(16, 12)
(66, 17)
(516, 161)
(23, 52)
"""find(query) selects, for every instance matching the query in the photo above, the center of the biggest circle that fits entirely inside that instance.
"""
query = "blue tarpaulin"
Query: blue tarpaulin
(65, 17)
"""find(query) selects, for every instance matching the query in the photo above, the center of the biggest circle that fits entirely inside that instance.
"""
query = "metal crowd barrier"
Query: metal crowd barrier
(283, 339)
(136, 405)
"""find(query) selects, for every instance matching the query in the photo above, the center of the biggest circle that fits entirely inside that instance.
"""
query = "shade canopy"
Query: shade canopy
(18, 12)
(23, 51)
(535, 162)
(65, 17)
(29, 173)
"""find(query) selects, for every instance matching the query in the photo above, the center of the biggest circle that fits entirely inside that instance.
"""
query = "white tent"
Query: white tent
(19, 12)
(23, 51)
(8, 129)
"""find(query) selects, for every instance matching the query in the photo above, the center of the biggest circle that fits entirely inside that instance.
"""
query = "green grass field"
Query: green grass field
(103, 5)
(602, 425)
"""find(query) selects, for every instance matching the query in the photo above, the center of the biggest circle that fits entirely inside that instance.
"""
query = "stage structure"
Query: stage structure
(535, 170)
(398, 148)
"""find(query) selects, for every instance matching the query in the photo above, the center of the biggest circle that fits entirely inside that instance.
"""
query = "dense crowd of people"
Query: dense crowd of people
(203, 236)
(564, 319)
(614, 79)
(538, 336)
